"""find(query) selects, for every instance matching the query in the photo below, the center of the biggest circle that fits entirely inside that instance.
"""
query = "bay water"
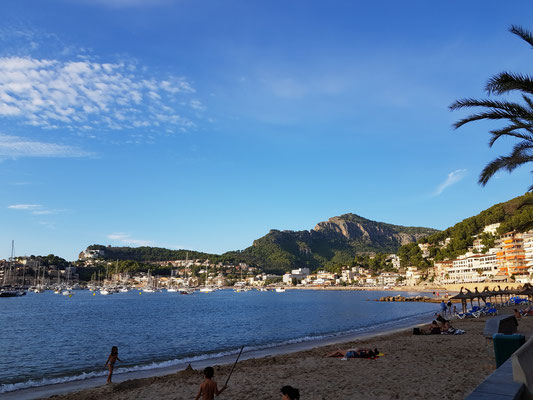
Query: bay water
(49, 338)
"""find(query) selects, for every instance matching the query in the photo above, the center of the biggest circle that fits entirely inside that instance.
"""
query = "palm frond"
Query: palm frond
(504, 162)
(521, 149)
(505, 82)
(522, 33)
(509, 131)
(493, 115)
(516, 109)
(528, 100)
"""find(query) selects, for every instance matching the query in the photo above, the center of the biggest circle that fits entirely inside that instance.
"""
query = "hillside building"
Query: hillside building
(472, 268)
(511, 255)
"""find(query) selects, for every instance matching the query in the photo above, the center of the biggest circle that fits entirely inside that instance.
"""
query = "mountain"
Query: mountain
(338, 240)
(331, 243)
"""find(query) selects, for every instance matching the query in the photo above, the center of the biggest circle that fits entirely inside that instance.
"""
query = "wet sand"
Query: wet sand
(416, 367)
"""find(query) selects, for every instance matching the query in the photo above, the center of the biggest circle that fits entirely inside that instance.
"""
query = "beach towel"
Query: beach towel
(380, 354)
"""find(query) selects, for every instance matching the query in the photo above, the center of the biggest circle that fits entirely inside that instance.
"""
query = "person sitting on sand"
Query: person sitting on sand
(290, 393)
(110, 363)
(354, 353)
(208, 388)
(447, 328)
(434, 328)
(517, 314)
(440, 318)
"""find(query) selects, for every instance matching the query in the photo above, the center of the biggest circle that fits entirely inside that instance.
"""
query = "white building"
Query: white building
(395, 260)
(412, 276)
(348, 276)
(387, 279)
(88, 254)
(472, 268)
(424, 247)
(492, 229)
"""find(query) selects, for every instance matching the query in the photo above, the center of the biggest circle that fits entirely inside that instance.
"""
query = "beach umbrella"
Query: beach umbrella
(527, 290)
(470, 296)
(487, 293)
(461, 296)
(478, 296)
(509, 292)
(500, 292)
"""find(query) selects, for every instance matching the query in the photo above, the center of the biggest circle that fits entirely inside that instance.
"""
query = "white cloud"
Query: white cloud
(25, 206)
(35, 209)
(44, 212)
(84, 95)
(125, 238)
(15, 147)
(452, 178)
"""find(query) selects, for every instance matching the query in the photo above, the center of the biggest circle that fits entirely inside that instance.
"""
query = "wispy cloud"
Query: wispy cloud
(452, 178)
(44, 212)
(15, 147)
(84, 95)
(25, 206)
(35, 209)
(125, 238)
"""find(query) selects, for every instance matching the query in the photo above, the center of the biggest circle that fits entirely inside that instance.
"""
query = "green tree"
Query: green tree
(519, 116)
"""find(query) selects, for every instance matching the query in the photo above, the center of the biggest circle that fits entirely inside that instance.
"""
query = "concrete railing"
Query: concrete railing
(522, 362)
(499, 385)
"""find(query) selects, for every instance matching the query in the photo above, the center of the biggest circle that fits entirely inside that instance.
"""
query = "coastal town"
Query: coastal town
(510, 259)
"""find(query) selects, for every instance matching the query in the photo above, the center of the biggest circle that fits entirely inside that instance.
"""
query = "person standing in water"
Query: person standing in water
(110, 363)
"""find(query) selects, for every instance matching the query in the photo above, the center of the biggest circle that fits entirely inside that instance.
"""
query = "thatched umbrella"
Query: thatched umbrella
(500, 292)
(527, 290)
(509, 292)
(463, 297)
(479, 296)
(487, 293)
(470, 296)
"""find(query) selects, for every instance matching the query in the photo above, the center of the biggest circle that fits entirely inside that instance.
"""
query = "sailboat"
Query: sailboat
(186, 290)
(206, 289)
(7, 290)
(68, 290)
(241, 285)
(149, 287)
(39, 286)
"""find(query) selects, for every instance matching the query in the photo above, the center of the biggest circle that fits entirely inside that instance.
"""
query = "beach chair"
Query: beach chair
(491, 311)
(464, 315)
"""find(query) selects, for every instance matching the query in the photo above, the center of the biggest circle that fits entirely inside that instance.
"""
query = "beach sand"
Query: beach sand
(414, 367)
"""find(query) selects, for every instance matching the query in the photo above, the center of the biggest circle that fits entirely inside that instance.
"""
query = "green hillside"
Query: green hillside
(513, 215)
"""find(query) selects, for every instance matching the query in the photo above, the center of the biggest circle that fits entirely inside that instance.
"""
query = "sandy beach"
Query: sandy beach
(426, 366)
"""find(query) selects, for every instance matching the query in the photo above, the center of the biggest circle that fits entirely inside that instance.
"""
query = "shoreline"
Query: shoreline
(275, 350)
(414, 366)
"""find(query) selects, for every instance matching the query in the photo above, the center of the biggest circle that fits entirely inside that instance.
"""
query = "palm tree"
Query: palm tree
(519, 116)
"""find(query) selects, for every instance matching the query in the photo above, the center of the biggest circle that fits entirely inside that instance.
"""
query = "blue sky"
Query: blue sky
(204, 124)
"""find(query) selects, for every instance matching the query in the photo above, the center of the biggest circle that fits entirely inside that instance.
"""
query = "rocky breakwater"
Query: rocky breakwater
(423, 299)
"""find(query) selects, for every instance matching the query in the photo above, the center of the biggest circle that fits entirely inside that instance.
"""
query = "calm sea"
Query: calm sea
(49, 338)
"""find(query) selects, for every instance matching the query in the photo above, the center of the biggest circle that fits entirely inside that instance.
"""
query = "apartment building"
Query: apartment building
(511, 255)
(472, 268)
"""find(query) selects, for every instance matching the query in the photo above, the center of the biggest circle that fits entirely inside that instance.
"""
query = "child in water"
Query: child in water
(110, 363)
(208, 388)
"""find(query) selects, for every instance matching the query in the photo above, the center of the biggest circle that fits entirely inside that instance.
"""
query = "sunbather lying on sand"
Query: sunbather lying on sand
(354, 353)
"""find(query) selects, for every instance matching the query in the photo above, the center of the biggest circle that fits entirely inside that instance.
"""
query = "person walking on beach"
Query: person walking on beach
(449, 305)
(208, 388)
(111, 360)
(443, 307)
